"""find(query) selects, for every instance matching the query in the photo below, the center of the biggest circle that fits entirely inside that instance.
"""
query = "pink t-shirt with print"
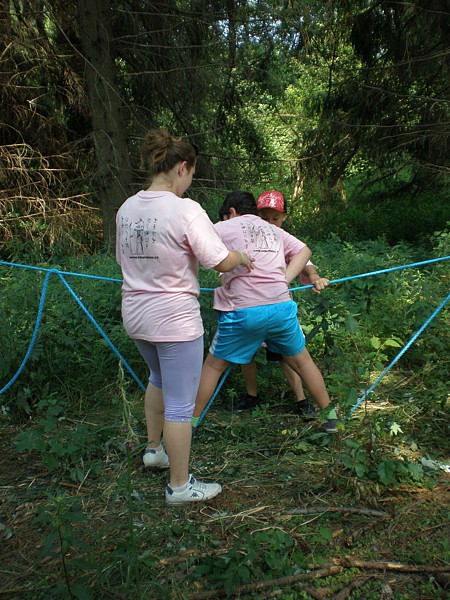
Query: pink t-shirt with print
(271, 247)
(160, 239)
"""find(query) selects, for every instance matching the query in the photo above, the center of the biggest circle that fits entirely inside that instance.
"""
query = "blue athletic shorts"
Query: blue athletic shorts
(241, 332)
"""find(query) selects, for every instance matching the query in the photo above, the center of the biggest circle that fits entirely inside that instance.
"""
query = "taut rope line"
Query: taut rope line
(63, 274)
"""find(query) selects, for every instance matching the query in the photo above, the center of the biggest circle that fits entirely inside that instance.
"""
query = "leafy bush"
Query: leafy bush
(354, 330)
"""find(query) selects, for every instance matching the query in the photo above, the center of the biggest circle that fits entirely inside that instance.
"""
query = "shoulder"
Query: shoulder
(292, 243)
(130, 199)
(191, 206)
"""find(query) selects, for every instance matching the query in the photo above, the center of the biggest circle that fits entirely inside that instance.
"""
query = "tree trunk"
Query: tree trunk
(108, 122)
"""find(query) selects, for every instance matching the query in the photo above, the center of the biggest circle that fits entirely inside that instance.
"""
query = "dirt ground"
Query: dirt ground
(377, 543)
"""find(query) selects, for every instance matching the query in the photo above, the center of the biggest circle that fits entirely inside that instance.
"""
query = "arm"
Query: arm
(297, 264)
(234, 259)
(319, 283)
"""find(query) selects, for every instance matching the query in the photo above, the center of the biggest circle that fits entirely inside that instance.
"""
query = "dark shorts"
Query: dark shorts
(273, 356)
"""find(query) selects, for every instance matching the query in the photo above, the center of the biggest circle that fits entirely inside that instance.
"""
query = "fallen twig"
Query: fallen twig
(75, 486)
(359, 510)
(260, 585)
(389, 566)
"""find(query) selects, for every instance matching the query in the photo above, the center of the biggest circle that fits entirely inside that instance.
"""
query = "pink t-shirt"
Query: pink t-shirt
(160, 239)
(271, 247)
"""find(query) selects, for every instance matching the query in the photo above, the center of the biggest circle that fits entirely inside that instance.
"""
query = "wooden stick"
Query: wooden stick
(389, 566)
(361, 510)
(260, 585)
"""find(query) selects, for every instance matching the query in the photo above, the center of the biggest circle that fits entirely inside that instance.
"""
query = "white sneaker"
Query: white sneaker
(196, 491)
(156, 459)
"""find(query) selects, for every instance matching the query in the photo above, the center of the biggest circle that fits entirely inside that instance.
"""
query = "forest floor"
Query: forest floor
(292, 521)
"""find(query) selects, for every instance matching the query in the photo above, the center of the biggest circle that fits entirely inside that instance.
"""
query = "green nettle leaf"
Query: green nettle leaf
(80, 591)
(391, 342)
(347, 461)
(351, 324)
(326, 534)
(352, 396)
(30, 440)
(360, 469)
(375, 343)
(359, 283)
(229, 585)
(243, 574)
(386, 472)
(49, 547)
(303, 447)
(352, 443)
(51, 462)
(416, 471)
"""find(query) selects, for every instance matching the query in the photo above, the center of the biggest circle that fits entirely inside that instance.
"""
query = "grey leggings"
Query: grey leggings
(176, 368)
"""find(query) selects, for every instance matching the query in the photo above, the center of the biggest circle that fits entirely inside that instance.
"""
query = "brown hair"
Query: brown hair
(161, 152)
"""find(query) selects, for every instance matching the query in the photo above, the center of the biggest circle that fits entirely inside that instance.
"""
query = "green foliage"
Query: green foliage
(79, 413)
(60, 516)
(271, 551)
(69, 348)
(368, 462)
(342, 106)
(397, 210)
(63, 445)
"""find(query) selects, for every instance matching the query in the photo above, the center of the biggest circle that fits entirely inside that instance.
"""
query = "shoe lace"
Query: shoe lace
(198, 485)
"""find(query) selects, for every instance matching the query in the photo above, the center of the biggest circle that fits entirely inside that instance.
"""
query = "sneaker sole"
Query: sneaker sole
(155, 465)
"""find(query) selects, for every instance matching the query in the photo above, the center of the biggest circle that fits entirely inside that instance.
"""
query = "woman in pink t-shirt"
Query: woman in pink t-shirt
(161, 237)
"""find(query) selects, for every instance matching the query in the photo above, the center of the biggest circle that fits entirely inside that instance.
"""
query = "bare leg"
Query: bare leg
(211, 372)
(294, 381)
(304, 366)
(249, 374)
(154, 415)
(177, 440)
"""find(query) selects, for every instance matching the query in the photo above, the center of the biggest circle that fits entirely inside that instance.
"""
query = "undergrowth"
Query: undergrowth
(81, 518)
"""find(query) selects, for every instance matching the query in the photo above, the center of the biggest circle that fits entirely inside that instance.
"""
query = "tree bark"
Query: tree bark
(108, 122)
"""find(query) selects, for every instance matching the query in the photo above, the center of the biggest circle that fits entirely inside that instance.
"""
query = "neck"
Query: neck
(165, 182)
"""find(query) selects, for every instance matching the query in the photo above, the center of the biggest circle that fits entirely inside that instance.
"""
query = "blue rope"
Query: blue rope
(87, 313)
(102, 333)
(61, 275)
(57, 271)
(400, 354)
(33, 337)
(303, 287)
(217, 390)
(389, 270)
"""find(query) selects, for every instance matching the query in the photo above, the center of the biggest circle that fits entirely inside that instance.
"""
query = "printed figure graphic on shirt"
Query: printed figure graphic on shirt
(262, 237)
(137, 237)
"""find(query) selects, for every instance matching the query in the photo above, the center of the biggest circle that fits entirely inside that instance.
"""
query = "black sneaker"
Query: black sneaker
(305, 410)
(245, 402)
